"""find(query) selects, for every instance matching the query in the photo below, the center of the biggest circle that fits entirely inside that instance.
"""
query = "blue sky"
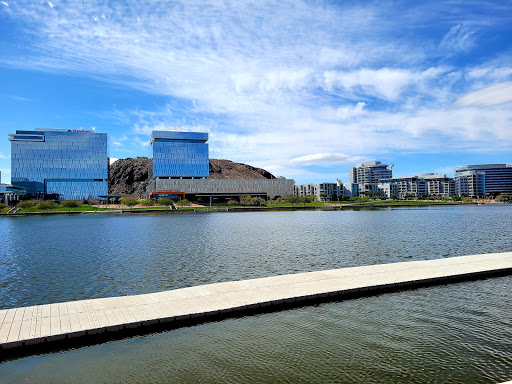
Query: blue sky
(304, 89)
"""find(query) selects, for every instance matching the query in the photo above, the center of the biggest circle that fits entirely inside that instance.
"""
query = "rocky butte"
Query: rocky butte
(130, 176)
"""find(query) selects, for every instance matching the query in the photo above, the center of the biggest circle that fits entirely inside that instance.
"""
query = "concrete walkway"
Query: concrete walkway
(59, 324)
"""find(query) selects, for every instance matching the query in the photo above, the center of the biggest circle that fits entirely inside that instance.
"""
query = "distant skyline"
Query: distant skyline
(304, 89)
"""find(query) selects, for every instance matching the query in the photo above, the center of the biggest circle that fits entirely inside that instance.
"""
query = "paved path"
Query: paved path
(23, 328)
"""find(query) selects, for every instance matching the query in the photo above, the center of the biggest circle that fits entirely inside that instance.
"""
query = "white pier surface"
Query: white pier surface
(22, 328)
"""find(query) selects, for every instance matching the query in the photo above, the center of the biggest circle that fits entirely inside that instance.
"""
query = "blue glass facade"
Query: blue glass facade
(180, 154)
(73, 164)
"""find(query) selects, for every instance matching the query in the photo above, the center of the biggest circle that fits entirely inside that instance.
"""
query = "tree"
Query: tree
(2, 206)
(292, 199)
(183, 203)
(146, 203)
(46, 206)
(129, 201)
(303, 200)
(25, 204)
(70, 204)
(232, 202)
(165, 201)
(279, 201)
(258, 201)
(246, 200)
(112, 200)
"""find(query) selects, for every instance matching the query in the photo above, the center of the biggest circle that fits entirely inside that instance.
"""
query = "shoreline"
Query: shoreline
(333, 207)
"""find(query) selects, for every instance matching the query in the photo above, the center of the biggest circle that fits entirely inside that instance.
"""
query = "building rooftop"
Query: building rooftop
(179, 135)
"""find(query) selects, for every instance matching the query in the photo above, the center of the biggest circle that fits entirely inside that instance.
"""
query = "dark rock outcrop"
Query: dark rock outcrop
(226, 169)
(130, 176)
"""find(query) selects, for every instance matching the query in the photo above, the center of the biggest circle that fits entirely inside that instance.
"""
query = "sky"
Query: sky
(304, 89)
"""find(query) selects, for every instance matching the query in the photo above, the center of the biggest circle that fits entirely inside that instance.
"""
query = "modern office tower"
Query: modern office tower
(72, 164)
(484, 180)
(370, 172)
(181, 167)
(180, 155)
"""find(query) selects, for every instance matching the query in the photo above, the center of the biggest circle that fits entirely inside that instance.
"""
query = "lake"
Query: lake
(445, 334)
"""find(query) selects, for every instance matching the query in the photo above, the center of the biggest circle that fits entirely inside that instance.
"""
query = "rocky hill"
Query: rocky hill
(130, 176)
(226, 169)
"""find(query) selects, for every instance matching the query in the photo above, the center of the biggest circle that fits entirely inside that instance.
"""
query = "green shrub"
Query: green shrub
(232, 202)
(70, 204)
(46, 206)
(164, 201)
(183, 203)
(146, 203)
(25, 204)
(129, 201)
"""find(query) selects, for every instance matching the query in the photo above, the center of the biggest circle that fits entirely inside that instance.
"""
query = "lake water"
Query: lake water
(446, 334)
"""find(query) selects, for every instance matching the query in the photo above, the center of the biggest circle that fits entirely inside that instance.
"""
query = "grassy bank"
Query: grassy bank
(59, 208)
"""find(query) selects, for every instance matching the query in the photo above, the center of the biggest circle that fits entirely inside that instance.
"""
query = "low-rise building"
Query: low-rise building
(220, 190)
(322, 191)
(350, 190)
(11, 193)
(423, 185)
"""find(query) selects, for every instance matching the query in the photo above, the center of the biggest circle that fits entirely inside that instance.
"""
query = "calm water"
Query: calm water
(446, 334)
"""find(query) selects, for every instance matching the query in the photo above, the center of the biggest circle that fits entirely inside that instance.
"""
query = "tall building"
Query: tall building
(483, 180)
(181, 168)
(72, 164)
(180, 155)
(370, 172)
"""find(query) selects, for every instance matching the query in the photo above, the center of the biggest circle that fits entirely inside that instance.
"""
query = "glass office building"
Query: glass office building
(180, 155)
(484, 180)
(70, 163)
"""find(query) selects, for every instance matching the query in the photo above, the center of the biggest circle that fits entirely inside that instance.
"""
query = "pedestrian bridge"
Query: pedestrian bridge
(60, 325)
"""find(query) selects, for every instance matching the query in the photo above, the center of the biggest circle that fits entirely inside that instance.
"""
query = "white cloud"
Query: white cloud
(322, 78)
(460, 37)
(6, 175)
(4, 3)
(316, 159)
(113, 160)
(493, 95)
(491, 72)
(386, 83)
(50, 4)
(2, 156)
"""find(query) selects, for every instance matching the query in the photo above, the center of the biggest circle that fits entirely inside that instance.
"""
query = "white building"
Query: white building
(370, 172)
(322, 191)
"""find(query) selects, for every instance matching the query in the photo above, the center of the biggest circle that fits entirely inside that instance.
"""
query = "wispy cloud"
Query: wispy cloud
(323, 83)
(493, 95)
(460, 37)
(18, 98)
(316, 159)
(5, 3)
